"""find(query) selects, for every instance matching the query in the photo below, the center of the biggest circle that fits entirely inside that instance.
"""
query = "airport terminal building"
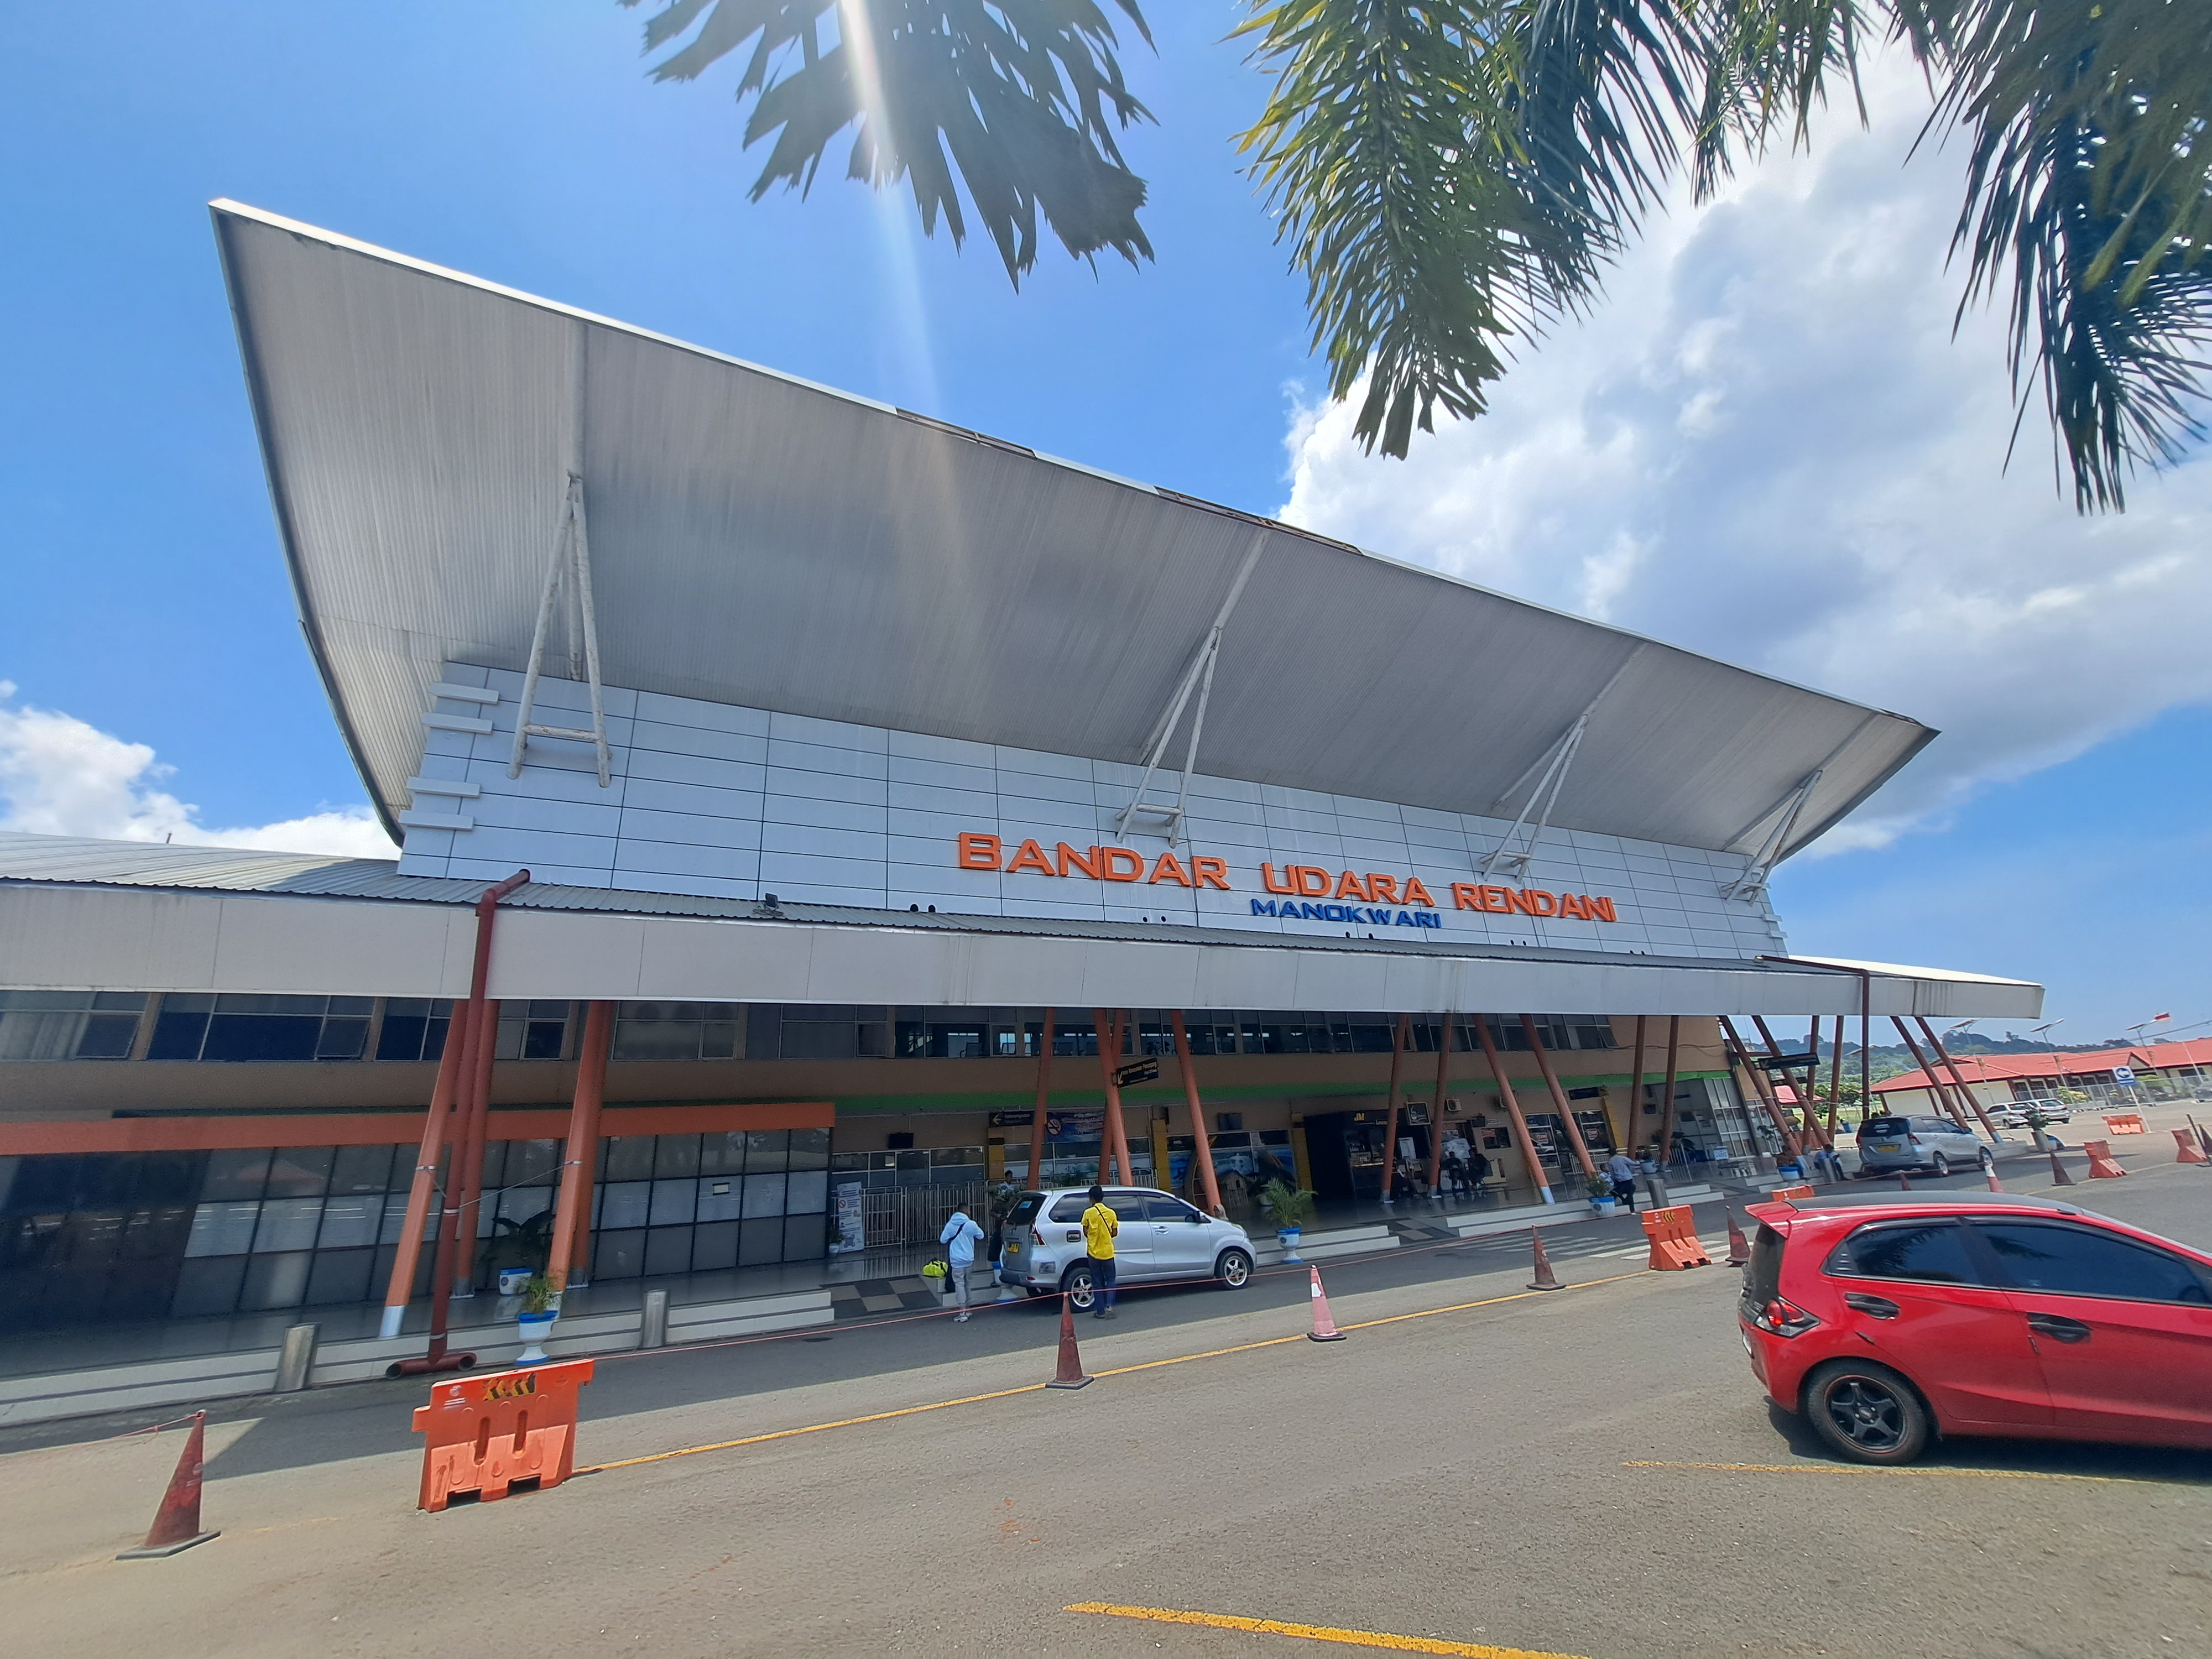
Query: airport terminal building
(901, 808)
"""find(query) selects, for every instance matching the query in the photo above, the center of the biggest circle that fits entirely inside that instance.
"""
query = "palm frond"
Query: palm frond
(1018, 102)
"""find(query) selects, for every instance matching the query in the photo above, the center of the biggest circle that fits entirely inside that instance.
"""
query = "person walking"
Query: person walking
(1621, 1170)
(960, 1237)
(1101, 1227)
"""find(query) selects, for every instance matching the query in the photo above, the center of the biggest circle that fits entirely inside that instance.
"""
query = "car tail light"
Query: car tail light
(1037, 1238)
(1912, 1139)
(1780, 1318)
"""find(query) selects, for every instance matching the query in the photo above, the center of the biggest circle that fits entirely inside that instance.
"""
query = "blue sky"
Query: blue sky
(2055, 833)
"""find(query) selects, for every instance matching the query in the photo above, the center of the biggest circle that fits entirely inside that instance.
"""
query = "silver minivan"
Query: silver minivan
(1887, 1144)
(1162, 1240)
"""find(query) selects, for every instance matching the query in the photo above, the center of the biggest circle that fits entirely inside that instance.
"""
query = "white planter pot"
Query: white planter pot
(511, 1281)
(1604, 1206)
(535, 1328)
(1288, 1238)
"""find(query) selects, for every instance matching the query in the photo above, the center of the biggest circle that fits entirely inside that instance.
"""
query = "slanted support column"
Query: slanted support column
(1635, 1095)
(581, 1152)
(1043, 1099)
(1673, 1071)
(1762, 1086)
(437, 1125)
(1957, 1077)
(1521, 1135)
(1201, 1143)
(1811, 1128)
(1936, 1086)
(1402, 1038)
(1114, 1147)
(1835, 1079)
(1436, 1112)
(1558, 1095)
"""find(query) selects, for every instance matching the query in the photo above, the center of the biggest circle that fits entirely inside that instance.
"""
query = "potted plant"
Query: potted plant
(518, 1249)
(541, 1306)
(1289, 1208)
(1602, 1200)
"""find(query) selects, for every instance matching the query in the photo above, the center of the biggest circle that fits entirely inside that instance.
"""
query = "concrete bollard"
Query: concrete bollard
(654, 1331)
(297, 1357)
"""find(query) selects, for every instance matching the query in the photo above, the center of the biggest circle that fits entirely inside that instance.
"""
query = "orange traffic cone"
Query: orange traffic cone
(2058, 1175)
(1903, 1184)
(1324, 1329)
(1546, 1279)
(1739, 1247)
(1071, 1362)
(177, 1523)
(1990, 1176)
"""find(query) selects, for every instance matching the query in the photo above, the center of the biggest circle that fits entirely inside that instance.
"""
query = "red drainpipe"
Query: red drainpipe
(465, 1175)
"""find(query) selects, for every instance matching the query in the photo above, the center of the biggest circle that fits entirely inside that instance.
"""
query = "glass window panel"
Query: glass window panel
(718, 1040)
(674, 1202)
(287, 1224)
(108, 1037)
(542, 1039)
(494, 1166)
(27, 1036)
(721, 1199)
(806, 1238)
(808, 1190)
(714, 1246)
(722, 1151)
(119, 1002)
(625, 1203)
(300, 1171)
(178, 1033)
(187, 1002)
(640, 1039)
(275, 1281)
(618, 1254)
(760, 1242)
(402, 1036)
(238, 1173)
(524, 1203)
(342, 1039)
(208, 1286)
(763, 1195)
(363, 1006)
(395, 1219)
(349, 1220)
(366, 1170)
(531, 1162)
(675, 1155)
(252, 1037)
(809, 1149)
(668, 1250)
(1932, 1251)
(2063, 1260)
(340, 1276)
(767, 1149)
(222, 1229)
(628, 1158)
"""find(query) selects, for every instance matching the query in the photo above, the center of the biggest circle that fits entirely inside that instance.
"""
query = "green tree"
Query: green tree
(1450, 176)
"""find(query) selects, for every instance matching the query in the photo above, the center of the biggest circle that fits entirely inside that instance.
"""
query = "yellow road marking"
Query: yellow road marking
(1350, 1639)
(1955, 1475)
(1037, 1388)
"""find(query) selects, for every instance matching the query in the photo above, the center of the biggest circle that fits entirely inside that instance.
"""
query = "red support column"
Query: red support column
(1044, 1095)
(1635, 1096)
(1113, 1141)
(1937, 1089)
(1436, 1111)
(1521, 1135)
(1402, 1038)
(1763, 1087)
(1957, 1076)
(1667, 1111)
(1558, 1095)
(437, 1125)
(1835, 1079)
(1811, 1131)
(1201, 1143)
(581, 1152)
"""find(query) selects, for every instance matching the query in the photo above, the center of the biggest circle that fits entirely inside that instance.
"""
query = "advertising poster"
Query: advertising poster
(852, 1227)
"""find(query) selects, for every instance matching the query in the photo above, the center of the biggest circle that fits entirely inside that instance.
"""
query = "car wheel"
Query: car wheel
(1234, 1269)
(1867, 1412)
(1941, 1165)
(1078, 1287)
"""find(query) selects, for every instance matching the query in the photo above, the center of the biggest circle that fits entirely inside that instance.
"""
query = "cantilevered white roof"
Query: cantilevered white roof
(756, 539)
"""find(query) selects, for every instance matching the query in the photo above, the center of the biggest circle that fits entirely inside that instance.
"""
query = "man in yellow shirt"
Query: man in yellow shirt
(1100, 1228)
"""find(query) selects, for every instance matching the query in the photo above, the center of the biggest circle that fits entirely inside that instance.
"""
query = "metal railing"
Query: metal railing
(898, 1217)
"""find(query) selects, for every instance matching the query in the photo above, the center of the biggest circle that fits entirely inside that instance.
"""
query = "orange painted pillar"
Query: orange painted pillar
(1635, 1095)
(1402, 1036)
(1762, 1086)
(1201, 1143)
(1114, 1139)
(1044, 1095)
(1436, 1111)
(581, 1150)
(1939, 1090)
(1835, 1079)
(1667, 1111)
(1558, 1095)
(1811, 1128)
(437, 1125)
(1513, 1110)
(1957, 1076)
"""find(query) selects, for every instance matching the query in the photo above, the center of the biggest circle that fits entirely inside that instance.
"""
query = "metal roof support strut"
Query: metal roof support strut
(1198, 676)
(1554, 778)
(572, 566)
(1752, 883)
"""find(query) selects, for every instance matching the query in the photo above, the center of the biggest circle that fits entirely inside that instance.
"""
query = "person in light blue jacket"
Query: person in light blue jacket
(960, 1237)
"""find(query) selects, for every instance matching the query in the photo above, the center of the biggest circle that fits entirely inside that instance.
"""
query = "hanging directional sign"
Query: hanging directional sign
(1784, 1062)
(1143, 1070)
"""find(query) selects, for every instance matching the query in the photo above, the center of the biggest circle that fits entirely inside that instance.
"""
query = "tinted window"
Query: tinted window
(2084, 1261)
(1130, 1206)
(1882, 1128)
(1762, 1279)
(1070, 1208)
(1161, 1207)
(1935, 1251)
(1025, 1212)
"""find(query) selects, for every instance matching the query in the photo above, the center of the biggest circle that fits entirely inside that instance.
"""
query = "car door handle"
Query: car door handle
(1874, 1307)
(2057, 1327)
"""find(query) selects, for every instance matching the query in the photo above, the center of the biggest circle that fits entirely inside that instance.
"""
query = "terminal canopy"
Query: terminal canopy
(756, 539)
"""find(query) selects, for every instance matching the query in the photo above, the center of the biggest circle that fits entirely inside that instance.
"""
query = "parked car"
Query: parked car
(1887, 1319)
(1887, 1144)
(1162, 1239)
(2014, 1116)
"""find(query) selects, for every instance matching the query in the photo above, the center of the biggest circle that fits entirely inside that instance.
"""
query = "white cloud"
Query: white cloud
(60, 776)
(1766, 445)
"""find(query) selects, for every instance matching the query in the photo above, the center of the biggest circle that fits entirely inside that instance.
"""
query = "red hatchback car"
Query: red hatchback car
(1888, 1319)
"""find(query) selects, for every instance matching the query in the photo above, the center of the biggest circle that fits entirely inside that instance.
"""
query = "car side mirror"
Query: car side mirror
(1196, 1219)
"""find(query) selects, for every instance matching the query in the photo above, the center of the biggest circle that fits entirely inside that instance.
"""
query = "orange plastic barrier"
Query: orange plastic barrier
(1783, 1195)
(485, 1433)
(1674, 1240)
(2190, 1152)
(2102, 1164)
(2124, 1123)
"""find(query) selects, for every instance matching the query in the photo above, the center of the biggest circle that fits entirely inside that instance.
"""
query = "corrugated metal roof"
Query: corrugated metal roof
(759, 540)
